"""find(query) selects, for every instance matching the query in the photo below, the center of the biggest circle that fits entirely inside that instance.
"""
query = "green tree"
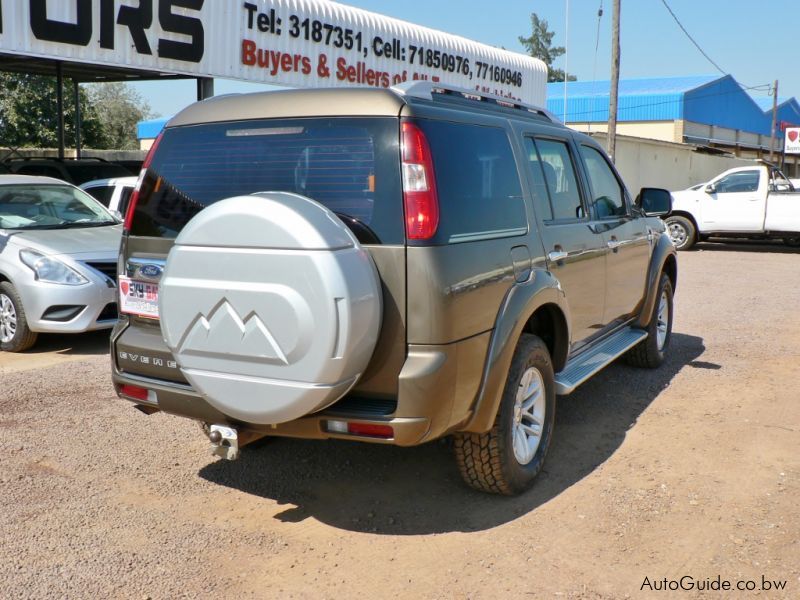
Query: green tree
(29, 113)
(540, 45)
(119, 108)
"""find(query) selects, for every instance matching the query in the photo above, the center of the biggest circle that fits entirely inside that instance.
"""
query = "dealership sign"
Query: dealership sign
(311, 43)
(791, 140)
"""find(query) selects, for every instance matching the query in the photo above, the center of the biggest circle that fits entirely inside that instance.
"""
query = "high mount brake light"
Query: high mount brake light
(419, 184)
(135, 195)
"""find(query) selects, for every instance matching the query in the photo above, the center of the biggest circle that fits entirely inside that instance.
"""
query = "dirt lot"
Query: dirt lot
(690, 470)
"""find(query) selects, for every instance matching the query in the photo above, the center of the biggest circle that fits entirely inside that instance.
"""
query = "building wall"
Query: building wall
(655, 130)
(653, 163)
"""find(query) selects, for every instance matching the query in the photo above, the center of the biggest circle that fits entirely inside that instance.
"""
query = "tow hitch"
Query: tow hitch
(224, 441)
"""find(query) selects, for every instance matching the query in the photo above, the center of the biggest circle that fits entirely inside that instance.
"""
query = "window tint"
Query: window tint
(559, 174)
(352, 166)
(541, 200)
(480, 194)
(744, 181)
(102, 194)
(607, 195)
(124, 198)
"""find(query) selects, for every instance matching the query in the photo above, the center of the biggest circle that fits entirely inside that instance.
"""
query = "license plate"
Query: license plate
(138, 298)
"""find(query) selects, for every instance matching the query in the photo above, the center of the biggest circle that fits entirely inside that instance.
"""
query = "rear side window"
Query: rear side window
(480, 195)
(102, 194)
(351, 166)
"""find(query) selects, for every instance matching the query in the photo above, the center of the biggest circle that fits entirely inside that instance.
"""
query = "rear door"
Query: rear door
(625, 234)
(738, 202)
(575, 248)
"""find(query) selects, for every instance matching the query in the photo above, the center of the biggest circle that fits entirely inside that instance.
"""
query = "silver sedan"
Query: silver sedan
(58, 261)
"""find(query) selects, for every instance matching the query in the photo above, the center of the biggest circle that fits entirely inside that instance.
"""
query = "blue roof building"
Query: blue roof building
(708, 110)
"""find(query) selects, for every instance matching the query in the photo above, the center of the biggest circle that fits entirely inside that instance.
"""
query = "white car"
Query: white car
(114, 193)
(58, 260)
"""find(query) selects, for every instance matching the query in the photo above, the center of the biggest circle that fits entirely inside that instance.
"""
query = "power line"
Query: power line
(708, 58)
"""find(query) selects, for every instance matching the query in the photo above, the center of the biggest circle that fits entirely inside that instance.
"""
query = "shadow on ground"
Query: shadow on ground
(739, 245)
(91, 343)
(409, 491)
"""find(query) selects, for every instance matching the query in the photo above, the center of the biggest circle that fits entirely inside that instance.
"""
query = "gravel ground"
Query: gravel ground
(688, 470)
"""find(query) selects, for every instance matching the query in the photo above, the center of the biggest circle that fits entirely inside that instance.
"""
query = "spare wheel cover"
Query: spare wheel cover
(270, 306)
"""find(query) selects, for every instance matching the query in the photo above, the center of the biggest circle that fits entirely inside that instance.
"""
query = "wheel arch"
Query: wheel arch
(663, 260)
(539, 307)
(686, 215)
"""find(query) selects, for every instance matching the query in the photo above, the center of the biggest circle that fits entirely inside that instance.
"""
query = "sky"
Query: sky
(753, 41)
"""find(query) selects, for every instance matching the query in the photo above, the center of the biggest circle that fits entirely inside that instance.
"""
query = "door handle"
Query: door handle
(557, 255)
(614, 243)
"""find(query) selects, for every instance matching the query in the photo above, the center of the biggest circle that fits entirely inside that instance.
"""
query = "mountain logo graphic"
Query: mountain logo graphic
(223, 331)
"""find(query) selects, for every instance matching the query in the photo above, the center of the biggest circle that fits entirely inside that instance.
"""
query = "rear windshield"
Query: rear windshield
(351, 166)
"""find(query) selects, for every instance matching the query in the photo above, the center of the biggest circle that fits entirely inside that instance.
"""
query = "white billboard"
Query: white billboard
(298, 43)
(791, 140)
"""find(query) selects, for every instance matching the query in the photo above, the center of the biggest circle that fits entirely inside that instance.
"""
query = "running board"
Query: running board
(587, 363)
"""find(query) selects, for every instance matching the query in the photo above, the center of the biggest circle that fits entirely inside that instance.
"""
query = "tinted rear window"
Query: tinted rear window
(480, 195)
(351, 166)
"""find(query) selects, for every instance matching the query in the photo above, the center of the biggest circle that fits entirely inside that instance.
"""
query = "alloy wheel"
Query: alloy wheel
(8, 319)
(529, 416)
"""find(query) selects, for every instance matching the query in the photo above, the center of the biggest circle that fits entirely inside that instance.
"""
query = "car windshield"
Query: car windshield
(50, 207)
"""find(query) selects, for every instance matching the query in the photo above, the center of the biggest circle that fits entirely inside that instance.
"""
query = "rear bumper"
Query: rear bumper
(436, 390)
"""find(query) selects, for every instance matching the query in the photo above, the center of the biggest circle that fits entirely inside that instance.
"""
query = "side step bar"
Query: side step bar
(586, 364)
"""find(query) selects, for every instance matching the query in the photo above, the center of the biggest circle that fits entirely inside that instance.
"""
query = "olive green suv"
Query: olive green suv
(390, 266)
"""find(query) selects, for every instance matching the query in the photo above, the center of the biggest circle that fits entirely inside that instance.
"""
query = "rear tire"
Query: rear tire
(507, 459)
(15, 335)
(681, 231)
(650, 353)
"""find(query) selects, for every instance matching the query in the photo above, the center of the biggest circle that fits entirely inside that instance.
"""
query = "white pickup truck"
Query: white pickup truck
(750, 202)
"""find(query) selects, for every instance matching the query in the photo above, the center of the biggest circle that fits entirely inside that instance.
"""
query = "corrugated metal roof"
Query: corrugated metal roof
(646, 86)
(707, 99)
(149, 130)
(650, 99)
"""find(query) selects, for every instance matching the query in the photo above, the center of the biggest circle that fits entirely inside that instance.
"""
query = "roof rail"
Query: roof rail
(428, 90)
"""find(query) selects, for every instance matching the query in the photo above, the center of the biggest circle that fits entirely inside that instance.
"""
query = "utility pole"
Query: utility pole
(614, 92)
(566, 64)
(774, 122)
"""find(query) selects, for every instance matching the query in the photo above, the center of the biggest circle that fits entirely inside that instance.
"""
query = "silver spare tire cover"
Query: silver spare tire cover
(270, 305)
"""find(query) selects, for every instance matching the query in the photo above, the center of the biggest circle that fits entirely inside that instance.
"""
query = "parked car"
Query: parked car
(389, 266)
(756, 202)
(114, 193)
(58, 251)
(72, 170)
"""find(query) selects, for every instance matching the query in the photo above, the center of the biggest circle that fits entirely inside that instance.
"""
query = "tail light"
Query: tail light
(135, 194)
(419, 184)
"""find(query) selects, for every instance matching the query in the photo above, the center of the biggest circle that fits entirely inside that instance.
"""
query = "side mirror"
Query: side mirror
(654, 202)
(711, 189)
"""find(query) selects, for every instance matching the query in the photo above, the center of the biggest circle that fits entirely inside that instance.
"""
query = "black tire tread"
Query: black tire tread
(645, 354)
(478, 455)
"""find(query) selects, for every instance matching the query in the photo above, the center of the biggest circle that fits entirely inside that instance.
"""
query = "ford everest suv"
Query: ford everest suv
(391, 266)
